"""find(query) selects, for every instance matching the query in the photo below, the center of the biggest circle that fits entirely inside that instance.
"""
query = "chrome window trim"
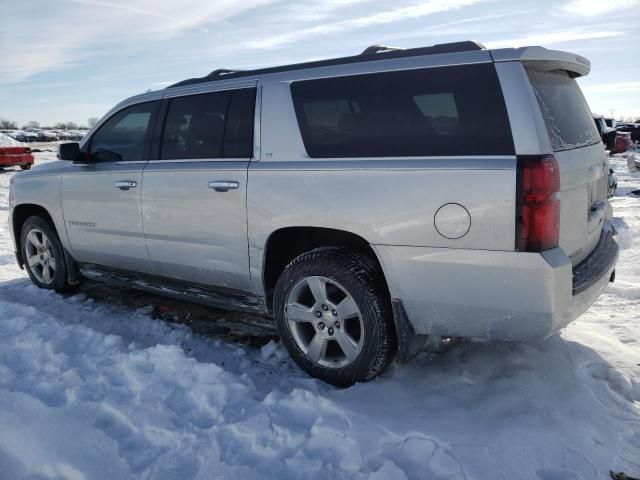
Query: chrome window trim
(477, 162)
(198, 160)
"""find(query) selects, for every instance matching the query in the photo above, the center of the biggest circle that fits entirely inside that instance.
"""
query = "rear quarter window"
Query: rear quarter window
(565, 111)
(456, 110)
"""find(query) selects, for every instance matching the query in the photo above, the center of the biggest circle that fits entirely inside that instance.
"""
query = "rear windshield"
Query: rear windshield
(428, 112)
(565, 111)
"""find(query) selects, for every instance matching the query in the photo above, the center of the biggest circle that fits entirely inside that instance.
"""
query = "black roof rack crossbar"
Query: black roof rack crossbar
(373, 49)
(375, 52)
(221, 72)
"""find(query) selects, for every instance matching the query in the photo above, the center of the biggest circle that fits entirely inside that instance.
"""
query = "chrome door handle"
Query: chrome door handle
(223, 185)
(125, 184)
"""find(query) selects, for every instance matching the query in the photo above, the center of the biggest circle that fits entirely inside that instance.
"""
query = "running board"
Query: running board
(225, 299)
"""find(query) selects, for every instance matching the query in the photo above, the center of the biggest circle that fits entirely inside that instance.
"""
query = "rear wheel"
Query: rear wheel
(26, 166)
(43, 254)
(334, 316)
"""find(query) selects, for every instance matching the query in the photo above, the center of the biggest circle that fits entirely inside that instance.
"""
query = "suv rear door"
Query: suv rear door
(577, 147)
(101, 200)
(194, 192)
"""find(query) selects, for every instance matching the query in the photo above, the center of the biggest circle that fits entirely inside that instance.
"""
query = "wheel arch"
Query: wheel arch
(285, 244)
(19, 216)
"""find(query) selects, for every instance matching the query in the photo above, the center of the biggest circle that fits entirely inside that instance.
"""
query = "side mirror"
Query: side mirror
(69, 151)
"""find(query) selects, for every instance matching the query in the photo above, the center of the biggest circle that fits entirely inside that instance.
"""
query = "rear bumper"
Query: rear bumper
(489, 294)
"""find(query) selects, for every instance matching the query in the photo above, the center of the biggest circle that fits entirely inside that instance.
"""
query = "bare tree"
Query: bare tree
(91, 122)
(8, 124)
(32, 124)
(71, 125)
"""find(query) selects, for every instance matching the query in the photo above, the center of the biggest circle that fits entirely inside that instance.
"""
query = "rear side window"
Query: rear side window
(565, 111)
(428, 112)
(123, 137)
(210, 125)
(238, 136)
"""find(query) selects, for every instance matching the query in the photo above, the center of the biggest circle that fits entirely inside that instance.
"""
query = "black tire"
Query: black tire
(360, 276)
(59, 281)
(26, 166)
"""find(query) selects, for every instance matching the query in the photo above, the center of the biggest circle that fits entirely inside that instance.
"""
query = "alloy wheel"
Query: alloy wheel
(40, 256)
(325, 322)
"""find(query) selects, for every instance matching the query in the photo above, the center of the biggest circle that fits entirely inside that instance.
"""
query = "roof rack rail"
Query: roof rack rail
(373, 49)
(372, 53)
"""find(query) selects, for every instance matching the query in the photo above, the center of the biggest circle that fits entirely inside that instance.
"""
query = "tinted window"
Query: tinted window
(238, 136)
(438, 111)
(123, 136)
(564, 109)
(211, 125)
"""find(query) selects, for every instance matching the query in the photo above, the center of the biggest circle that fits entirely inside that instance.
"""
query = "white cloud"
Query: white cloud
(388, 16)
(597, 7)
(37, 37)
(552, 38)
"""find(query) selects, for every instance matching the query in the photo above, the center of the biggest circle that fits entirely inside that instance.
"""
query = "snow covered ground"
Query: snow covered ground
(7, 141)
(91, 390)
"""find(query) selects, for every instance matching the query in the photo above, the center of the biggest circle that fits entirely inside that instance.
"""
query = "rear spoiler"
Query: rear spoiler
(544, 59)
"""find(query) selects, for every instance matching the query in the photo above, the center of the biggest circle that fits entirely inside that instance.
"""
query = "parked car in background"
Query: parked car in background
(632, 128)
(608, 134)
(62, 134)
(366, 203)
(611, 122)
(13, 154)
(623, 142)
(77, 135)
(47, 136)
(24, 136)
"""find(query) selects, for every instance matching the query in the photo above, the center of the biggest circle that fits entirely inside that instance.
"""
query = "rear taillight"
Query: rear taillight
(538, 205)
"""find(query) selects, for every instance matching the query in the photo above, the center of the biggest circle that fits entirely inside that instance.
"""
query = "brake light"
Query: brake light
(538, 205)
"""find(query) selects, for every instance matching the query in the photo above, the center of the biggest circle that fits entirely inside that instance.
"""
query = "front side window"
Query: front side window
(123, 137)
(210, 125)
(455, 110)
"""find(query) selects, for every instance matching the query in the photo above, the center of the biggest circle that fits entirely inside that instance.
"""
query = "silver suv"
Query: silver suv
(365, 202)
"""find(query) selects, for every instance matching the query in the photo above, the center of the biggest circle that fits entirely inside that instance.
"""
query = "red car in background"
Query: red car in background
(623, 142)
(14, 154)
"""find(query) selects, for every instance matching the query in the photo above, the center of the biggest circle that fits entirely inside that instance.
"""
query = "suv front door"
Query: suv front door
(194, 193)
(101, 199)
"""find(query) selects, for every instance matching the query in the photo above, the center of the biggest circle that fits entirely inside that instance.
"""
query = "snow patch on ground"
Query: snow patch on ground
(94, 391)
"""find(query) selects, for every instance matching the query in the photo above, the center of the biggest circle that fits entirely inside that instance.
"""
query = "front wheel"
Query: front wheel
(334, 316)
(43, 254)
(26, 166)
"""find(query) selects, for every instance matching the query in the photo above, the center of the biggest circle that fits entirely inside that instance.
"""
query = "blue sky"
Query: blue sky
(64, 60)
